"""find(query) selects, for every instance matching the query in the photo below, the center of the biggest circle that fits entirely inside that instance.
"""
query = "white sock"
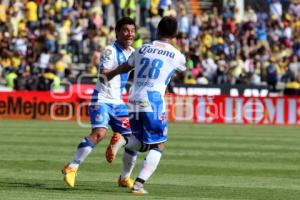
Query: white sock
(129, 160)
(84, 148)
(150, 164)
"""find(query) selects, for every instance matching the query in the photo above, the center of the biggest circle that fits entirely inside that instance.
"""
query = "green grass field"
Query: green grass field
(200, 162)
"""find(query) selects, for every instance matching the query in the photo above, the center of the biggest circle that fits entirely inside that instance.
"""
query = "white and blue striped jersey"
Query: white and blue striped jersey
(111, 92)
(154, 64)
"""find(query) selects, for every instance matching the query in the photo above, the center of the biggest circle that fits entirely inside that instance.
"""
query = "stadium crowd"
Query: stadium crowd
(42, 41)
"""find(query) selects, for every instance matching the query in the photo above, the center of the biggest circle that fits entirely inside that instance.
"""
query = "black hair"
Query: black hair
(124, 21)
(167, 27)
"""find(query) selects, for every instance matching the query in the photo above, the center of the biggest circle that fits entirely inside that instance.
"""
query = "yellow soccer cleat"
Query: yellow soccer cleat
(116, 142)
(69, 175)
(127, 182)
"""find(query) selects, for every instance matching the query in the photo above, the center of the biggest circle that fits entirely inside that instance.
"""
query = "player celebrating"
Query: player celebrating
(154, 64)
(107, 106)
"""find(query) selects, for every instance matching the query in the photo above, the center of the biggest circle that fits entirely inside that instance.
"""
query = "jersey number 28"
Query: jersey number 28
(154, 70)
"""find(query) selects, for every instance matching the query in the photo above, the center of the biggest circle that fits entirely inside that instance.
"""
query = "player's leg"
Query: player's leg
(133, 145)
(149, 166)
(119, 122)
(122, 125)
(154, 135)
(86, 146)
(99, 120)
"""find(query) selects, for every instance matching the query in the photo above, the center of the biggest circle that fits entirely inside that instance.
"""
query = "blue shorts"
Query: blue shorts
(103, 114)
(148, 128)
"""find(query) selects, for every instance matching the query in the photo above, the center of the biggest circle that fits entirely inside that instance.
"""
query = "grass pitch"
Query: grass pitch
(205, 162)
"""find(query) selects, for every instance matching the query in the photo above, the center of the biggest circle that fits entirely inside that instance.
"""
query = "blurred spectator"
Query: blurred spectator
(49, 80)
(272, 77)
(194, 29)
(117, 9)
(61, 64)
(76, 47)
(32, 14)
(210, 67)
(222, 72)
(128, 8)
(10, 77)
(183, 21)
(138, 40)
(163, 6)
(3, 16)
(190, 80)
(144, 10)
(44, 60)
(294, 67)
(153, 22)
(250, 15)
(275, 9)
(105, 6)
(294, 8)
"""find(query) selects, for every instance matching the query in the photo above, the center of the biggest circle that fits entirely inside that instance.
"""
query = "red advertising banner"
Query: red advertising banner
(247, 110)
(41, 105)
(197, 109)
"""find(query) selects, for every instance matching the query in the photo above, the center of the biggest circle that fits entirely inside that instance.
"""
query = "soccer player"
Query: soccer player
(154, 64)
(107, 106)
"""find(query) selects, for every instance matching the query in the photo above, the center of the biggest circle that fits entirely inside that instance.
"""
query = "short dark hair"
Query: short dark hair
(124, 21)
(167, 27)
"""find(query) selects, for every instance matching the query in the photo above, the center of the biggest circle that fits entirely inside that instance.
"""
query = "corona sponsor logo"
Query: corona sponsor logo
(147, 49)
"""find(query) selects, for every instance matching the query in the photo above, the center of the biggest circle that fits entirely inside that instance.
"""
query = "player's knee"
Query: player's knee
(132, 143)
(97, 135)
(126, 137)
(131, 152)
(144, 147)
(158, 147)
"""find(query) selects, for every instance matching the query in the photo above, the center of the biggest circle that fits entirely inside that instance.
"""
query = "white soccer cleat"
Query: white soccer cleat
(138, 189)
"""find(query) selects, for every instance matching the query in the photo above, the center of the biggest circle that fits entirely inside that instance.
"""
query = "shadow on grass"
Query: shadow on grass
(158, 190)
(56, 186)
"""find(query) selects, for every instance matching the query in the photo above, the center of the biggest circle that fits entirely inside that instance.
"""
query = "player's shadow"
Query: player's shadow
(53, 187)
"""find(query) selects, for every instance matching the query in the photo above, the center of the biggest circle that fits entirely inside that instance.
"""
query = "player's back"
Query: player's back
(154, 63)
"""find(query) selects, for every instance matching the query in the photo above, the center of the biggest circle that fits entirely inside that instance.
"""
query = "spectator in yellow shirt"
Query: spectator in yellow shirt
(32, 14)
(189, 80)
(105, 5)
(3, 10)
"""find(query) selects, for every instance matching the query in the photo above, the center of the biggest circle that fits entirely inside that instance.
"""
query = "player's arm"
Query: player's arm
(181, 63)
(123, 68)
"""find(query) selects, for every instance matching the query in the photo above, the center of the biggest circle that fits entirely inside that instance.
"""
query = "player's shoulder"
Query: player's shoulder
(177, 52)
(108, 51)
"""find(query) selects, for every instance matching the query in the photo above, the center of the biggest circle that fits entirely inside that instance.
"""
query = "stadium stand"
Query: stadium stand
(46, 41)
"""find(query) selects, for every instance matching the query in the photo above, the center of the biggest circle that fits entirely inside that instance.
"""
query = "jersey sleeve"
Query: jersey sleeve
(181, 66)
(107, 58)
